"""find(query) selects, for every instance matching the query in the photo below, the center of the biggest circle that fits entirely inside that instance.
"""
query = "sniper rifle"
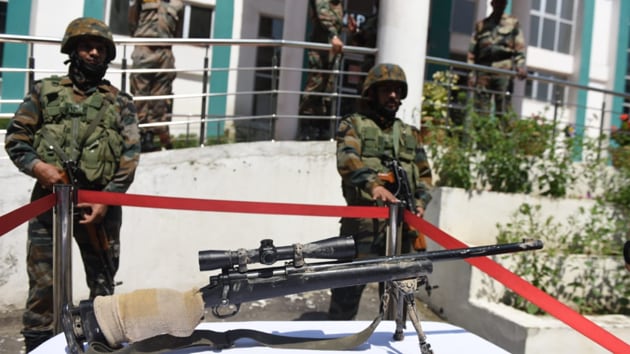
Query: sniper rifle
(236, 284)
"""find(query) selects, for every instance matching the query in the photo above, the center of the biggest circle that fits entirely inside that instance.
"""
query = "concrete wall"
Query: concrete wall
(160, 246)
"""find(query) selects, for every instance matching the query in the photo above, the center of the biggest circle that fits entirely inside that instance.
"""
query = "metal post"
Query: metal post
(123, 75)
(204, 90)
(31, 65)
(62, 252)
(274, 92)
(392, 248)
(336, 100)
(601, 128)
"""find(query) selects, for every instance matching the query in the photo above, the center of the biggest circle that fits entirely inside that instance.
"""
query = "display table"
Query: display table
(443, 337)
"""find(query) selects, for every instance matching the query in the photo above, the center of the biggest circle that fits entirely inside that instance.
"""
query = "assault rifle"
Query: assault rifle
(98, 237)
(236, 284)
(397, 182)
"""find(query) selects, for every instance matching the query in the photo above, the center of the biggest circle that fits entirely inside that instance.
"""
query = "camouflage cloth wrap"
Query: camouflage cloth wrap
(19, 141)
(157, 19)
(86, 26)
(360, 142)
(499, 45)
(327, 21)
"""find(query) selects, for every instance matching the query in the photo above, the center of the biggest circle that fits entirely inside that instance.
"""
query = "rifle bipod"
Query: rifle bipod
(401, 294)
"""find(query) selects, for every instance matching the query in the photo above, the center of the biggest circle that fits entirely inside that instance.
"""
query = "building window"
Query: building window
(118, 22)
(197, 21)
(551, 24)
(269, 28)
(544, 91)
(463, 16)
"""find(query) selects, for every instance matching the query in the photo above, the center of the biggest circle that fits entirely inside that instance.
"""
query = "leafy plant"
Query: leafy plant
(588, 285)
(437, 95)
(498, 154)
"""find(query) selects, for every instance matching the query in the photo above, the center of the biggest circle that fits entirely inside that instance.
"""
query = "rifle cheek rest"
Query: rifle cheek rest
(145, 313)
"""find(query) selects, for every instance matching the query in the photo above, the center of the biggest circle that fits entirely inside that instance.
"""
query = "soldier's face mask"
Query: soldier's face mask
(85, 75)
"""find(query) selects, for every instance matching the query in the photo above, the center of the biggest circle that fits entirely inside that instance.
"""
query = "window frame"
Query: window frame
(536, 39)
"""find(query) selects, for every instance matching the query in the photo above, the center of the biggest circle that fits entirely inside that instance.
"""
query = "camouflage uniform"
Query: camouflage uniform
(502, 46)
(53, 102)
(327, 21)
(362, 138)
(155, 19)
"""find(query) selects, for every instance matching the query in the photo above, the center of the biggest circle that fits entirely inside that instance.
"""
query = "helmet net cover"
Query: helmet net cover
(88, 27)
(384, 73)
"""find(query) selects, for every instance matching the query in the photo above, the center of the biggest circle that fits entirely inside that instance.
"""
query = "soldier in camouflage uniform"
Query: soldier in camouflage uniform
(327, 21)
(497, 42)
(363, 138)
(154, 19)
(80, 118)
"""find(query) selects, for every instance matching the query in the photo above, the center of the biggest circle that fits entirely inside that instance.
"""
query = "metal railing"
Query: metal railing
(202, 119)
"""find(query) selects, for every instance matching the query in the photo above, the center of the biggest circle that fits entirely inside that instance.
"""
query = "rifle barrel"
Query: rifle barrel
(480, 251)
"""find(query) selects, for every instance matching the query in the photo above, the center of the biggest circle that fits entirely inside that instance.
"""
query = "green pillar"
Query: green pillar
(621, 59)
(94, 9)
(15, 54)
(224, 18)
(584, 70)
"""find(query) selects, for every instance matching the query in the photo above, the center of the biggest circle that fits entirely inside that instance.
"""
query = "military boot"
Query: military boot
(33, 339)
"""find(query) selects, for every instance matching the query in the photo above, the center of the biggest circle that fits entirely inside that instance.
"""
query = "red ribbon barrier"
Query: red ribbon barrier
(231, 206)
(525, 289)
(485, 264)
(22, 214)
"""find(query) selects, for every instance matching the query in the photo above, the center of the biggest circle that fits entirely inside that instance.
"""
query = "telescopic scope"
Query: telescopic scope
(330, 248)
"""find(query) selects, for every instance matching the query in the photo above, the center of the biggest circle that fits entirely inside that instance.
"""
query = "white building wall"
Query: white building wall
(402, 40)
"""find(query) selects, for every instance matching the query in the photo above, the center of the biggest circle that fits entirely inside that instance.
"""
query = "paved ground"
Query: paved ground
(300, 307)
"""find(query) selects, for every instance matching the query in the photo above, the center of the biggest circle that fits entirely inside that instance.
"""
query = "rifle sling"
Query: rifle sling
(223, 340)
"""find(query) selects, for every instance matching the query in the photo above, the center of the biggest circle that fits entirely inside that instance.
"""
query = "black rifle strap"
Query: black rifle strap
(223, 340)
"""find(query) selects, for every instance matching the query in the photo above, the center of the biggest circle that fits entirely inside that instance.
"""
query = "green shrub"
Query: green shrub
(589, 285)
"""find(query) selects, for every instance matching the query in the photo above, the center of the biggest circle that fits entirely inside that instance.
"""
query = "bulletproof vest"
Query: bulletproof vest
(83, 133)
(399, 143)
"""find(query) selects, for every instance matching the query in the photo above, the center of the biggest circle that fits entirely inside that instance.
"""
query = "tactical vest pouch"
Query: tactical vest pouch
(408, 150)
(100, 155)
(45, 149)
(372, 142)
(97, 159)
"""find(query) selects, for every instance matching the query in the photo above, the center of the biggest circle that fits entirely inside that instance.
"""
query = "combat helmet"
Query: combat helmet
(87, 26)
(381, 73)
